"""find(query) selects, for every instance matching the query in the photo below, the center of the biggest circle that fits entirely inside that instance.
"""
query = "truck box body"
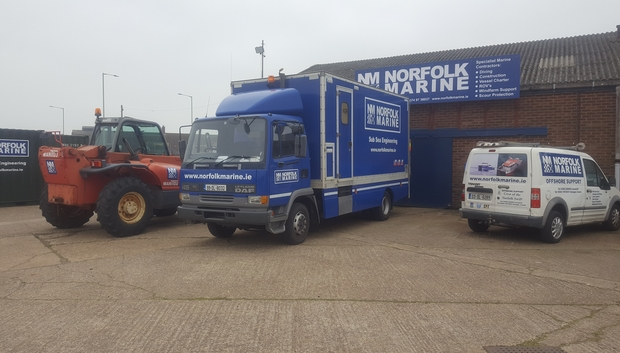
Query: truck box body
(357, 150)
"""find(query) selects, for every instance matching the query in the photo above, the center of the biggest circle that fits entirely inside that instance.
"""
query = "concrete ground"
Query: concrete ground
(419, 282)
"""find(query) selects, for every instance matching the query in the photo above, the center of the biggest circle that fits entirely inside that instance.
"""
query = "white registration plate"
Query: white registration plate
(481, 197)
(213, 187)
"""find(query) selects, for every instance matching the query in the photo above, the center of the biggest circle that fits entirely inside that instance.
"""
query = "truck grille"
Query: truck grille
(216, 198)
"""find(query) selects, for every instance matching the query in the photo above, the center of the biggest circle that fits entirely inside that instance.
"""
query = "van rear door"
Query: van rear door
(499, 180)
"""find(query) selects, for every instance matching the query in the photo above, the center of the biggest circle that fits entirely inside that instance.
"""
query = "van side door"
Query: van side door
(597, 193)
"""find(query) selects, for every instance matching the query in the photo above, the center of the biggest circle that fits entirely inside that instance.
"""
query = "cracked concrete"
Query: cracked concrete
(419, 282)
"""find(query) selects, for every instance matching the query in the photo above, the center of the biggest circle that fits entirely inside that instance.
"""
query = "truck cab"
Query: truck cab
(241, 170)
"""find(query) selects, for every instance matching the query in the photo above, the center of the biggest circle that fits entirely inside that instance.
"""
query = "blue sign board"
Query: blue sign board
(561, 165)
(14, 148)
(496, 77)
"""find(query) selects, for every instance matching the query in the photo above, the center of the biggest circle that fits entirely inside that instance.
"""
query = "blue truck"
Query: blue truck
(282, 153)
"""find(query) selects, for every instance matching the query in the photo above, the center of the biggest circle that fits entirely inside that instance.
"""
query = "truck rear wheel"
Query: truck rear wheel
(62, 216)
(554, 229)
(220, 231)
(297, 224)
(125, 207)
(382, 213)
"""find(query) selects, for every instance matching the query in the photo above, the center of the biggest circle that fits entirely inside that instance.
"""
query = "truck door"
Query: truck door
(344, 133)
(597, 193)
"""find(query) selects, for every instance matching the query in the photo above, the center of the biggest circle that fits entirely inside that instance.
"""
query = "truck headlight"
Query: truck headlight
(258, 200)
(184, 196)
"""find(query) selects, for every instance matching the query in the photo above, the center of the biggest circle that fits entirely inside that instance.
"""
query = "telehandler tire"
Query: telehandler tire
(125, 207)
(62, 216)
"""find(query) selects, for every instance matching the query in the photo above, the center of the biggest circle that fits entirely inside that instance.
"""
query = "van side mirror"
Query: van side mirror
(605, 185)
(182, 148)
(612, 182)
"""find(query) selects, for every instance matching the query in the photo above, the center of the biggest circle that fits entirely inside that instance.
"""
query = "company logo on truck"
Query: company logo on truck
(286, 176)
(382, 116)
(555, 164)
(51, 167)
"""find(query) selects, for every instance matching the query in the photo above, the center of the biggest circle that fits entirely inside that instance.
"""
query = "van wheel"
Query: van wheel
(297, 224)
(613, 221)
(478, 225)
(382, 213)
(554, 229)
(220, 231)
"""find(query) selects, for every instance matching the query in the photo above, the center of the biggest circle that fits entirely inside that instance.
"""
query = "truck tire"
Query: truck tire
(62, 216)
(220, 231)
(478, 225)
(164, 212)
(382, 213)
(554, 228)
(297, 225)
(124, 207)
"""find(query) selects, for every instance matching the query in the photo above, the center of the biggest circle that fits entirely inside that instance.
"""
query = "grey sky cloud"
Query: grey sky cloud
(54, 52)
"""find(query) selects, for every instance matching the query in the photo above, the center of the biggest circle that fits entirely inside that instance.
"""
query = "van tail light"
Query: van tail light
(535, 199)
(463, 193)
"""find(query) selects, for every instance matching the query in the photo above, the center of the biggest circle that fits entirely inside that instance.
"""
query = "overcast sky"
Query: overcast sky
(54, 52)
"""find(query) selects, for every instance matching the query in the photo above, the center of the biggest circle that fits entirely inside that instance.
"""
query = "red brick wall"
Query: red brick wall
(570, 118)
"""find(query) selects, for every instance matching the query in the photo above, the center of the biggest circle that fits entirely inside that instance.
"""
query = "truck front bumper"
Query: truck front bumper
(234, 218)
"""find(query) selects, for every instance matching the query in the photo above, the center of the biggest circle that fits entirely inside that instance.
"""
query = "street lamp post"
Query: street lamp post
(191, 102)
(103, 75)
(63, 117)
(261, 50)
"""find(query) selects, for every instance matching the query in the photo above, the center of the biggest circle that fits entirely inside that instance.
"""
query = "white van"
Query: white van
(529, 185)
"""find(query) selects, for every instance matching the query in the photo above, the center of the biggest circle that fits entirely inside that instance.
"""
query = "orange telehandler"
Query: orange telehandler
(126, 175)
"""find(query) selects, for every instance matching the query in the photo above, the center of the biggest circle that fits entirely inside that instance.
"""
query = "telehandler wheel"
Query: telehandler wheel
(63, 216)
(382, 213)
(220, 231)
(297, 225)
(125, 207)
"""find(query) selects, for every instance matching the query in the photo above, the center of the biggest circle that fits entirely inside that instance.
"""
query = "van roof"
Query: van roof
(484, 144)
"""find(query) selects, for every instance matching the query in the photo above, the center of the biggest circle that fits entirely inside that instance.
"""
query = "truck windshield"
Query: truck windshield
(216, 142)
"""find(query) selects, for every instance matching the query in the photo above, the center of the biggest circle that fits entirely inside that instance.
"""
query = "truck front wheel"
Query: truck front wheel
(62, 216)
(296, 229)
(124, 207)
(219, 231)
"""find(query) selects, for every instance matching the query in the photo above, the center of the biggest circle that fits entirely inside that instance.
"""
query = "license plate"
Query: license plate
(482, 197)
(212, 187)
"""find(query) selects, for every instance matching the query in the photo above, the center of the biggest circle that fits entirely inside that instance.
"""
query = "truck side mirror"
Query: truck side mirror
(182, 148)
(301, 144)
